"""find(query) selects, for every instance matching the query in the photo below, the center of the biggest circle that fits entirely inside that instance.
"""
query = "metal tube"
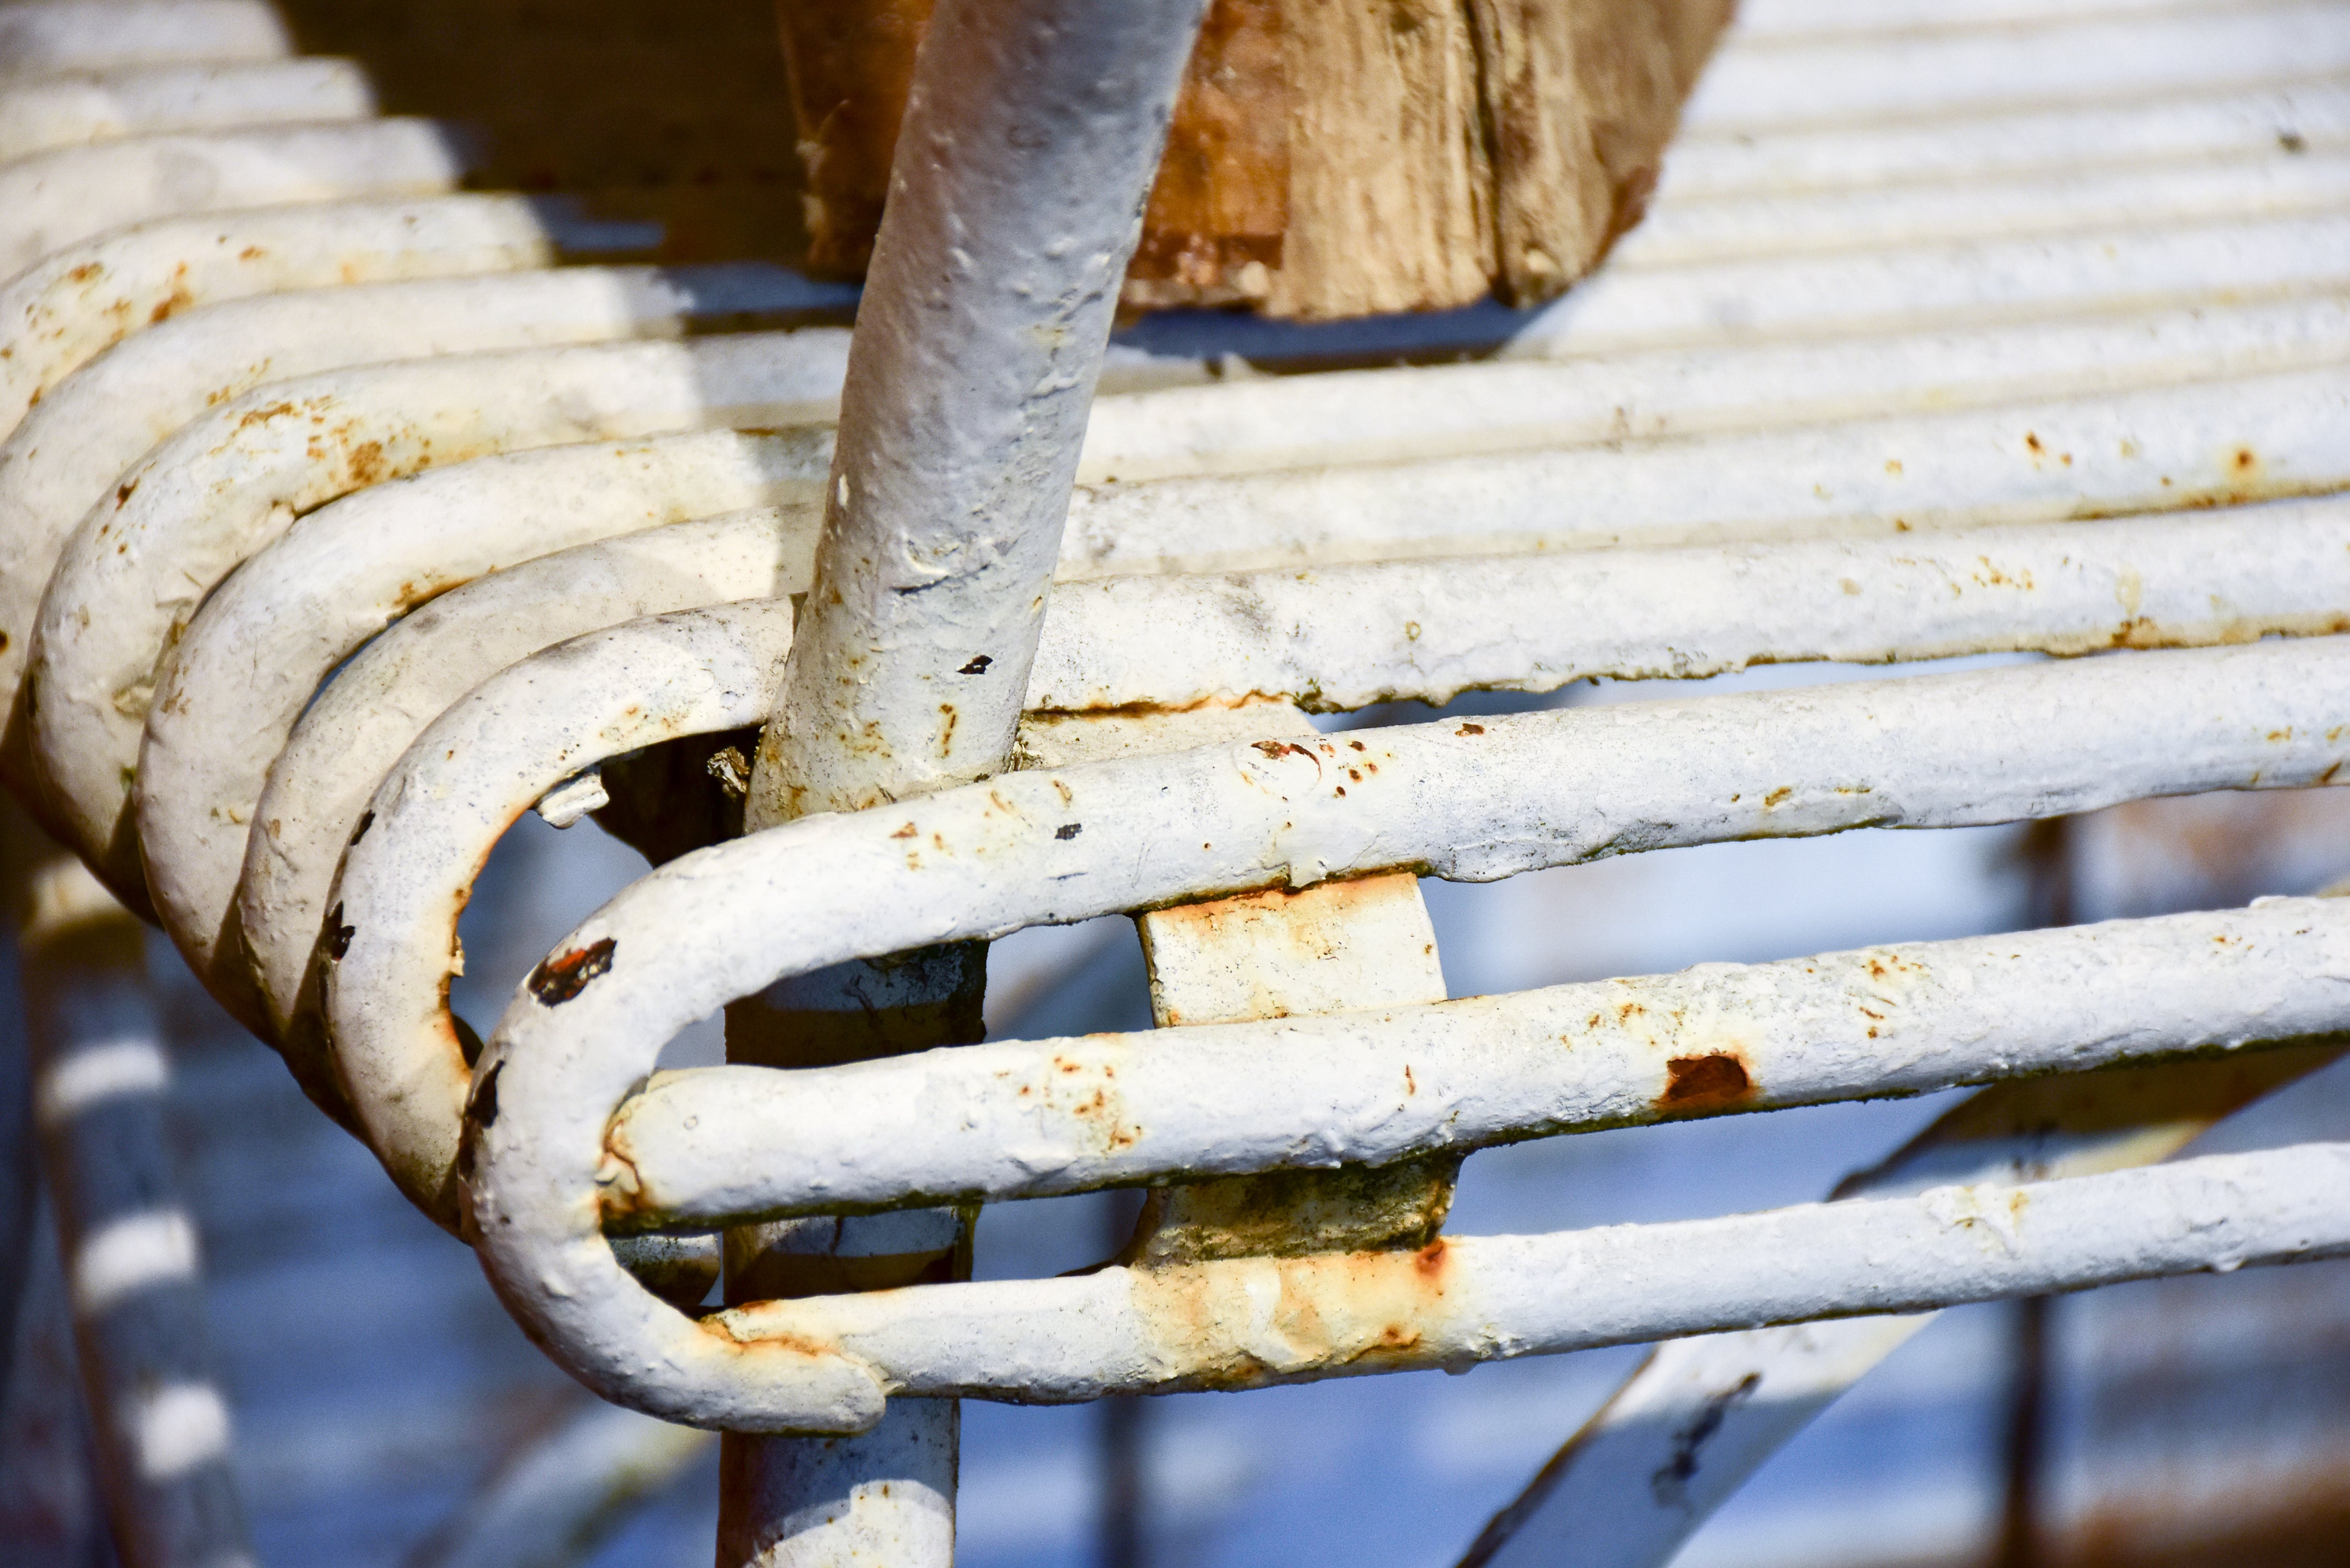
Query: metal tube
(1032, 133)
(48, 37)
(157, 1410)
(53, 200)
(101, 105)
(1701, 1414)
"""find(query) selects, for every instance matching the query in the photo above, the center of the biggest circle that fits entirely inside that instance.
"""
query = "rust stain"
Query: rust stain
(565, 975)
(264, 415)
(1777, 795)
(1719, 1079)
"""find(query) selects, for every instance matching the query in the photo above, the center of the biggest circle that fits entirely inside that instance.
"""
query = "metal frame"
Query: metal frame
(1841, 394)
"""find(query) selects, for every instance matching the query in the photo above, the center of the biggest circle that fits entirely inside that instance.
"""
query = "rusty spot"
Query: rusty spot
(1409, 1085)
(1470, 730)
(122, 494)
(978, 665)
(481, 1106)
(1282, 748)
(1068, 830)
(1669, 1485)
(1429, 1261)
(1776, 795)
(2032, 440)
(251, 253)
(1357, 745)
(565, 975)
(262, 416)
(338, 935)
(2244, 458)
(905, 831)
(1715, 1080)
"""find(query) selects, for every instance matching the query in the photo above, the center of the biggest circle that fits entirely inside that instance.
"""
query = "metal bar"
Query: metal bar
(703, 1147)
(1858, 80)
(88, 105)
(158, 1417)
(1792, 764)
(2262, 185)
(236, 479)
(46, 37)
(1172, 642)
(62, 313)
(1031, 135)
(53, 200)
(356, 731)
(824, 1363)
(1702, 1416)
(2204, 123)
(580, 1035)
(1267, 634)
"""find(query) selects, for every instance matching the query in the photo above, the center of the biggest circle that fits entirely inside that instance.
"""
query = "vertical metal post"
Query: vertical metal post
(2048, 872)
(1031, 135)
(158, 1415)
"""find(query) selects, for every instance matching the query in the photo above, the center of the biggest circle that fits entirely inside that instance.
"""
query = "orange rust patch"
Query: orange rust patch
(1716, 1080)
(262, 416)
(565, 975)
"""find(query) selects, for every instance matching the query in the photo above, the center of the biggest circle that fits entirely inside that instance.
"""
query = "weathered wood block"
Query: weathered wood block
(1329, 157)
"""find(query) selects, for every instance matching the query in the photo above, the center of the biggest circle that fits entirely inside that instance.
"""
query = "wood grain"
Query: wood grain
(1329, 157)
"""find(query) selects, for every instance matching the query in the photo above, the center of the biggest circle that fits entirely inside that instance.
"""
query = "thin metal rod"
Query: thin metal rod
(2027, 1421)
(1031, 134)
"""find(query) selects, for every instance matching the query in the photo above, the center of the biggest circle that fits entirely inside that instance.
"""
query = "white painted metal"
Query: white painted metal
(53, 200)
(2243, 123)
(718, 1144)
(356, 730)
(74, 446)
(1701, 1414)
(994, 279)
(88, 105)
(59, 315)
(2046, 288)
(826, 1363)
(1431, 629)
(235, 479)
(2258, 186)
(1032, 133)
(1218, 637)
(159, 1415)
(397, 1050)
(1856, 80)
(46, 37)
